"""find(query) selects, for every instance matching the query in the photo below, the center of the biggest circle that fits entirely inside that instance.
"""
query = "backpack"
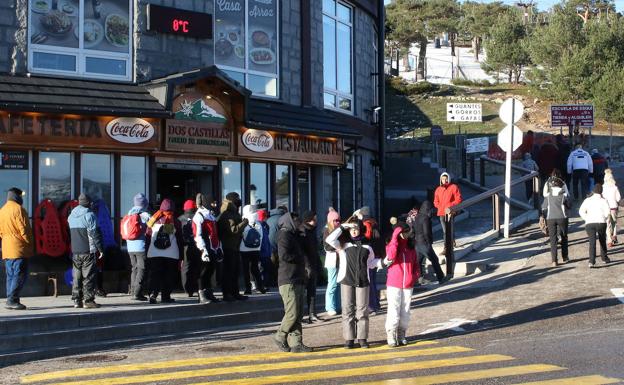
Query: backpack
(252, 238)
(187, 233)
(162, 241)
(131, 227)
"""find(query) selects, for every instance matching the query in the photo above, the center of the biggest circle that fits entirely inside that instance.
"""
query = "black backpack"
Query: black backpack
(162, 241)
(252, 238)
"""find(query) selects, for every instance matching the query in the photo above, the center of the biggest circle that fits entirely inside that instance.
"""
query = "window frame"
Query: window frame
(246, 71)
(337, 93)
(111, 159)
(80, 54)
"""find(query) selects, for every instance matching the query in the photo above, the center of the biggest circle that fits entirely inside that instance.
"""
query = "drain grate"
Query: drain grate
(98, 358)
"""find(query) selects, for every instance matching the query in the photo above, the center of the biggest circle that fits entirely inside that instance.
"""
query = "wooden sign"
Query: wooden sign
(201, 125)
(290, 148)
(79, 131)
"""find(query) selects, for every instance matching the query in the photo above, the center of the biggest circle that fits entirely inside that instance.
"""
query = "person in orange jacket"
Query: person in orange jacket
(17, 246)
(446, 195)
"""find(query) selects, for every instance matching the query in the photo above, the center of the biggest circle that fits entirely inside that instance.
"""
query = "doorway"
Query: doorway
(182, 182)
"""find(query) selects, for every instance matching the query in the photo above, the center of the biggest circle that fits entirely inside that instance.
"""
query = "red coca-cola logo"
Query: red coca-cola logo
(257, 140)
(130, 130)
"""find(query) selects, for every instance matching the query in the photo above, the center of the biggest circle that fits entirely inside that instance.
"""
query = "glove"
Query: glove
(205, 256)
(387, 262)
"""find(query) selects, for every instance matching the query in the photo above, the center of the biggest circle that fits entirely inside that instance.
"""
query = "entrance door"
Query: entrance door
(179, 183)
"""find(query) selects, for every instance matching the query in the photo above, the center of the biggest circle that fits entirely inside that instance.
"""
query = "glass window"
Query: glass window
(246, 43)
(338, 55)
(303, 189)
(258, 184)
(133, 180)
(55, 176)
(81, 37)
(232, 174)
(14, 167)
(282, 186)
(96, 181)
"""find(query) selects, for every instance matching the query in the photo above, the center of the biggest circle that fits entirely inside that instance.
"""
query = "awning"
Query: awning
(77, 96)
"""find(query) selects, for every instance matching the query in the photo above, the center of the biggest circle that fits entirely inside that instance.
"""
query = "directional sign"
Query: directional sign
(477, 145)
(463, 112)
(506, 108)
(504, 137)
(564, 115)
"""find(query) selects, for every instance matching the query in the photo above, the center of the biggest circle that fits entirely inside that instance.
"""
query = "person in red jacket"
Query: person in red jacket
(446, 196)
(403, 273)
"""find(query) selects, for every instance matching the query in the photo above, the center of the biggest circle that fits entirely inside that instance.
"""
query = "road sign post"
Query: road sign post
(510, 112)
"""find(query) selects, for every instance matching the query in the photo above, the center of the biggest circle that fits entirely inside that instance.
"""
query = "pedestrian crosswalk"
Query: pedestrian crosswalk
(424, 362)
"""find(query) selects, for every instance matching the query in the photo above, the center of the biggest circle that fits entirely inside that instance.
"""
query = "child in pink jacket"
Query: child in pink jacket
(403, 272)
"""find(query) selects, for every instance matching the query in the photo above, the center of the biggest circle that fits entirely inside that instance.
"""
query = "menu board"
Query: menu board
(106, 25)
(246, 43)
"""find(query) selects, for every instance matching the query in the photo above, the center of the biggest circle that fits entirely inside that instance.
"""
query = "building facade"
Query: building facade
(277, 100)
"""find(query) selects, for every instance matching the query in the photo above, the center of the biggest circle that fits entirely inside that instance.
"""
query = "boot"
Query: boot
(401, 339)
(211, 296)
(392, 339)
(203, 298)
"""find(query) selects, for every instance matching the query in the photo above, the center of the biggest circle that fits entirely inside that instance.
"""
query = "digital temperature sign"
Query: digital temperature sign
(179, 22)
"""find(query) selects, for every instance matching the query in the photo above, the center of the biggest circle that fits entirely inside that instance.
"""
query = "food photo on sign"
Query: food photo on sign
(105, 26)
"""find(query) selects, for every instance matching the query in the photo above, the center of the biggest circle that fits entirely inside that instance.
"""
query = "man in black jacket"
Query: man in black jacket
(312, 261)
(290, 279)
(423, 238)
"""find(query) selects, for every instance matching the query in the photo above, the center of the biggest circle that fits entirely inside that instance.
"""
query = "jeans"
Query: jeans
(560, 227)
(592, 230)
(581, 176)
(190, 269)
(332, 295)
(354, 312)
(290, 329)
(137, 277)
(426, 251)
(16, 272)
(162, 272)
(84, 273)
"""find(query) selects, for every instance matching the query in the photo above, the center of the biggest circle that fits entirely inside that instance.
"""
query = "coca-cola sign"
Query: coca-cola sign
(130, 130)
(257, 140)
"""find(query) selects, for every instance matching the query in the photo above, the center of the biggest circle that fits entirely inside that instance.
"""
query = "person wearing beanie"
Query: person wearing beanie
(309, 243)
(332, 294)
(164, 251)
(208, 245)
(189, 271)
(272, 223)
(87, 247)
(611, 193)
(423, 238)
(266, 250)
(137, 248)
(600, 164)
(372, 237)
(230, 226)
(595, 212)
(17, 246)
(250, 246)
(447, 195)
(403, 273)
(355, 260)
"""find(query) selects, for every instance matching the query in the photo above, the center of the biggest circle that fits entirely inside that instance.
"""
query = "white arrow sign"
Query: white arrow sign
(463, 112)
(504, 137)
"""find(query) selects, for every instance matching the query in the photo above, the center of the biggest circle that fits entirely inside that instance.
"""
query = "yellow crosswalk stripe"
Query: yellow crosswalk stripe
(81, 372)
(295, 378)
(585, 380)
(273, 366)
(466, 376)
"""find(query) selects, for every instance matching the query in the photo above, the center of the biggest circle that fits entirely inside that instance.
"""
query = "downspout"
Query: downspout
(381, 78)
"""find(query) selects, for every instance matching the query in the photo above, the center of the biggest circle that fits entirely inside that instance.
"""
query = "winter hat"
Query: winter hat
(140, 200)
(393, 221)
(364, 212)
(597, 189)
(84, 200)
(308, 216)
(332, 215)
(189, 205)
(262, 215)
(166, 205)
(232, 196)
(14, 194)
(594, 151)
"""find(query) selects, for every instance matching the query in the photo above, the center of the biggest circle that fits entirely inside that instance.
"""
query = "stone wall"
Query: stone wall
(13, 24)
(316, 56)
(290, 52)
(365, 36)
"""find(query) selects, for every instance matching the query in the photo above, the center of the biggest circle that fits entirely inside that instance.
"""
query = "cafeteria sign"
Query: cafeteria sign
(201, 125)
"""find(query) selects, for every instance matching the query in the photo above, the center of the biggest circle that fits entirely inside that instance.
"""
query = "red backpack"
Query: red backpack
(131, 227)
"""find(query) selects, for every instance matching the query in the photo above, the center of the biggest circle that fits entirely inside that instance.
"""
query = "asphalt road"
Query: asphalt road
(523, 321)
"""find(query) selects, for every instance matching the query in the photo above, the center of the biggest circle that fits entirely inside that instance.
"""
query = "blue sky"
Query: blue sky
(545, 4)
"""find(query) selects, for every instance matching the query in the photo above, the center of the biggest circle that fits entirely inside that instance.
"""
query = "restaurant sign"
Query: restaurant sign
(290, 148)
(78, 131)
(201, 125)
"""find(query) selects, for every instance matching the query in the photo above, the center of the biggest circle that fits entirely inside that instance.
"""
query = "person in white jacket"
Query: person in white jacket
(250, 251)
(595, 212)
(611, 193)
(580, 165)
(207, 242)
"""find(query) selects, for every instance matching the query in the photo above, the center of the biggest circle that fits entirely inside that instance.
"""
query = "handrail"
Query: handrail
(501, 163)
(478, 198)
